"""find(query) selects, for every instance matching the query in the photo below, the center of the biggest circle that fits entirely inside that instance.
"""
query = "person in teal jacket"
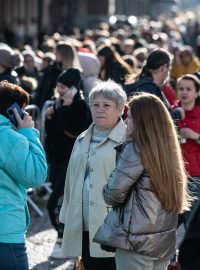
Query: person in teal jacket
(22, 165)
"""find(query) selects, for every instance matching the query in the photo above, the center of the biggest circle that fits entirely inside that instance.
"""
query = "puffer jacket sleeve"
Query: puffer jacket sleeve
(126, 173)
(26, 163)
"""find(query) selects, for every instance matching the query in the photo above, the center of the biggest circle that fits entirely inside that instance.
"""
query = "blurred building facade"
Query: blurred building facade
(30, 19)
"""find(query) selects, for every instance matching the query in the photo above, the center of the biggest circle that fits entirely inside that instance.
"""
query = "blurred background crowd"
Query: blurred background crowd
(47, 43)
(113, 46)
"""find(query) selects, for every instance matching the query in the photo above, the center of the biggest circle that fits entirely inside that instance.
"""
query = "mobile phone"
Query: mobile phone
(73, 90)
(11, 115)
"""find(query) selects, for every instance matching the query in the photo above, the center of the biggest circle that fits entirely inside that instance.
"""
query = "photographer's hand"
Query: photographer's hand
(26, 122)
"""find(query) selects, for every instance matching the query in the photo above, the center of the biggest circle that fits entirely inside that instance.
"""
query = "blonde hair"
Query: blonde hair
(157, 140)
(69, 55)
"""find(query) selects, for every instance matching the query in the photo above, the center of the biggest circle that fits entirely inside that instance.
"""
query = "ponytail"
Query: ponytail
(145, 73)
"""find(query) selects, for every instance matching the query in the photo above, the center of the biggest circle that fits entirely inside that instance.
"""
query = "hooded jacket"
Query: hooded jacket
(22, 165)
(138, 221)
(148, 86)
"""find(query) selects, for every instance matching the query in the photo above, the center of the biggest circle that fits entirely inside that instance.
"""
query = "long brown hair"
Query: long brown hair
(111, 56)
(69, 55)
(157, 140)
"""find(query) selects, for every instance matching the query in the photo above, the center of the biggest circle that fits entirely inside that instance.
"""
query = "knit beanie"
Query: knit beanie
(70, 77)
(8, 57)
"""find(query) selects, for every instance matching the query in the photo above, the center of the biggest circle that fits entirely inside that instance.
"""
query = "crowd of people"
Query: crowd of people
(122, 143)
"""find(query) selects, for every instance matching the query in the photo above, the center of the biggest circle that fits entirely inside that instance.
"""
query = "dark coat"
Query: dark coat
(10, 76)
(147, 85)
(189, 249)
(117, 72)
(47, 83)
(64, 127)
(21, 71)
(144, 85)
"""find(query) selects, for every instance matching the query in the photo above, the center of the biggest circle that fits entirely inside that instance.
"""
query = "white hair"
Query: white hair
(110, 90)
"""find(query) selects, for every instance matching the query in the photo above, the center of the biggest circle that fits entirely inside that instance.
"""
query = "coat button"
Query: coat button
(91, 202)
(91, 185)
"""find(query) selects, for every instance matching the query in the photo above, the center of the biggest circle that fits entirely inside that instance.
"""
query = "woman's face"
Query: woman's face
(105, 112)
(129, 122)
(62, 89)
(186, 58)
(187, 92)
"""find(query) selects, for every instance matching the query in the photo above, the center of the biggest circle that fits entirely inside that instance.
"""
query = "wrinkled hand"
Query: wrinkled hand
(188, 133)
(49, 112)
(67, 98)
(26, 122)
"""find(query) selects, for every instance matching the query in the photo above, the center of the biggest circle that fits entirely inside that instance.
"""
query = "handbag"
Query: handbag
(78, 264)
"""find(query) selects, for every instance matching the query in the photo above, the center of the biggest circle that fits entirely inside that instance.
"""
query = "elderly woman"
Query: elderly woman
(93, 158)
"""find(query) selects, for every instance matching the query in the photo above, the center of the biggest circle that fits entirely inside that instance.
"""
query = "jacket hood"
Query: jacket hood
(90, 64)
(131, 88)
(117, 134)
(4, 123)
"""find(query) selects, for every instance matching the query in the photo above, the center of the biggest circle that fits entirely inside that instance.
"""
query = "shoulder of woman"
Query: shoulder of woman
(80, 103)
(131, 148)
(197, 107)
(127, 146)
(84, 134)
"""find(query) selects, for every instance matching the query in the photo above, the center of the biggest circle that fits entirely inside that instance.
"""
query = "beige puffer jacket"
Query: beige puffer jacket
(137, 221)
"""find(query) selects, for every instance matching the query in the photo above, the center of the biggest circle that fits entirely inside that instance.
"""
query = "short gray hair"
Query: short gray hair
(110, 90)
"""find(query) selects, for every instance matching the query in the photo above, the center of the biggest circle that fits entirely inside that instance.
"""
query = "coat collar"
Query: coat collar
(117, 134)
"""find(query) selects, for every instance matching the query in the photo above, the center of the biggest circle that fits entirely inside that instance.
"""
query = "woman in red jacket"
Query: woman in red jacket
(188, 92)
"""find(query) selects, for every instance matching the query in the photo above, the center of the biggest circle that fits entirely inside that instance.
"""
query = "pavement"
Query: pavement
(41, 238)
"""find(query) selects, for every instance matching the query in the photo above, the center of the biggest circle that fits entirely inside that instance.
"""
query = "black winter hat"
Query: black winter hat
(70, 77)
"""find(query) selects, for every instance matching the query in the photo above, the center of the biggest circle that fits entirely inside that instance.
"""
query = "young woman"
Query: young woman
(112, 65)
(144, 189)
(66, 57)
(188, 93)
